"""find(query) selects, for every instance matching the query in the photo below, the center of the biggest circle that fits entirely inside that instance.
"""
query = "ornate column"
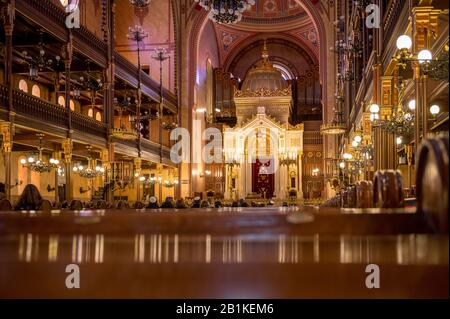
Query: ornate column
(67, 148)
(384, 142)
(137, 170)
(425, 21)
(6, 132)
(56, 155)
(107, 159)
(67, 52)
(7, 129)
(299, 176)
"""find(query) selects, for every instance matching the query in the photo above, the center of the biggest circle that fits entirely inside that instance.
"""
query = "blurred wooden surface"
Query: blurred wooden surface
(219, 221)
(228, 253)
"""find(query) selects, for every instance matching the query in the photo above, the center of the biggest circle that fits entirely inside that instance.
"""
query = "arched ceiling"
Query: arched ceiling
(284, 51)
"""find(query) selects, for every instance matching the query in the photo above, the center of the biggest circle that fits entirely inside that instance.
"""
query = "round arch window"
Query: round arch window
(36, 91)
(23, 86)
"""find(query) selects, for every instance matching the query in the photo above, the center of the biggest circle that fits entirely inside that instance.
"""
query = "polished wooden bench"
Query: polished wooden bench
(222, 253)
(218, 221)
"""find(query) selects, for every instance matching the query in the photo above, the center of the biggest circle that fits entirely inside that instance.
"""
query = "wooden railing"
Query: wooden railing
(86, 124)
(131, 69)
(53, 18)
(41, 110)
(36, 108)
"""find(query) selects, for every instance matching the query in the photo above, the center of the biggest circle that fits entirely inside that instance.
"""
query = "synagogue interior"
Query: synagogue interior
(224, 148)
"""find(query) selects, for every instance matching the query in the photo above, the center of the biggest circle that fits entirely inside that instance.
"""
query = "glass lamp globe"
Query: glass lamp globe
(342, 165)
(399, 140)
(435, 109)
(347, 156)
(358, 139)
(23, 161)
(424, 56)
(404, 42)
(374, 108)
(412, 105)
(354, 143)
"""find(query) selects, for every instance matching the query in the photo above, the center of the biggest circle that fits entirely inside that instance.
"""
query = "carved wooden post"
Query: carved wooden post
(57, 155)
(67, 52)
(7, 129)
(137, 170)
(67, 147)
(6, 132)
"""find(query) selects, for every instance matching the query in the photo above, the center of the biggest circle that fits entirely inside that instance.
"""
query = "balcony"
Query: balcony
(34, 112)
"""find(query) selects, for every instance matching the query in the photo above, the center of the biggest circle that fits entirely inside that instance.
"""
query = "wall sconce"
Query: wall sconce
(16, 184)
(84, 190)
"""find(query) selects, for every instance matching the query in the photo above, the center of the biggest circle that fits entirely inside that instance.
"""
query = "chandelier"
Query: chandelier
(171, 184)
(89, 172)
(38, 165)
(140, 4)
(288, 158)
(40, 62)
(122, 132)
(337, 125)
(226, 11)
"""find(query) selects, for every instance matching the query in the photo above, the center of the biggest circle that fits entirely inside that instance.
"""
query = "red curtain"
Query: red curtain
(262, 181)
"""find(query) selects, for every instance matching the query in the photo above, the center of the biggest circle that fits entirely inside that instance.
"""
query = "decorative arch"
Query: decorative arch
(198, 19)
(242, 50)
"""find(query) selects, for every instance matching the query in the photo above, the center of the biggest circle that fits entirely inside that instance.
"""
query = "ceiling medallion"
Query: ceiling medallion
(226, 11)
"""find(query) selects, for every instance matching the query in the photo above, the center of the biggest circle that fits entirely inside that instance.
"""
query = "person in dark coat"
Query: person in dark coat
(196, 203)
(153, 203)
(180, 204)
(168, 203)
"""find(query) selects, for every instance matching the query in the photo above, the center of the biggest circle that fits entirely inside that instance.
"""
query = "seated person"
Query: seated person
(242, 203)
(30, 199)
(153, 203)
(2, 191)
(196, 203)
(204, 204)
(76, 205)
(218, 204)
(235, 204)
(180, 204)
(168, 203)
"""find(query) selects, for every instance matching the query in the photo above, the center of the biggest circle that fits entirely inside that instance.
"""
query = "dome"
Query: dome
(264, 77)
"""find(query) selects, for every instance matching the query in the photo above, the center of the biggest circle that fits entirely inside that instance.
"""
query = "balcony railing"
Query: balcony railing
(36, 108)
(84, 123)
(129, 68)
(48, 113)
